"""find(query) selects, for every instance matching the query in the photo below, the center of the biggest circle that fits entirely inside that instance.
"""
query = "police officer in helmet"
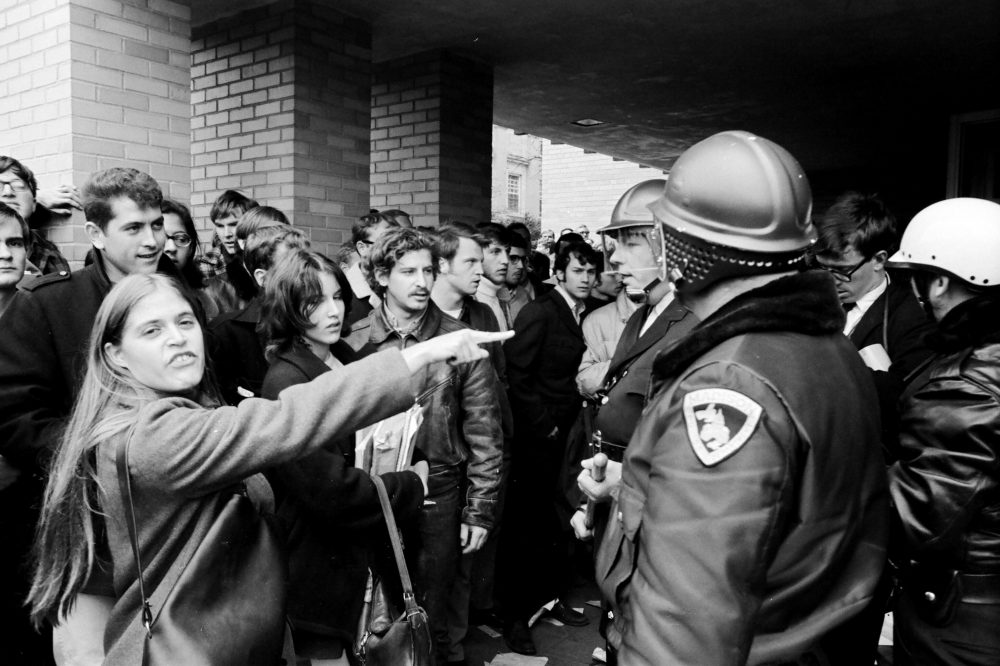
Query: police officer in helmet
(750, 516)
(946, 485)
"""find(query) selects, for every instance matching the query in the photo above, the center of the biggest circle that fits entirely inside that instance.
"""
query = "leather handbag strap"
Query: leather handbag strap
(125, 487)
(397, 546)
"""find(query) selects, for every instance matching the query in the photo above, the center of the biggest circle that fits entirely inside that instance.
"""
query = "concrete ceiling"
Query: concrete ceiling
(828, 79)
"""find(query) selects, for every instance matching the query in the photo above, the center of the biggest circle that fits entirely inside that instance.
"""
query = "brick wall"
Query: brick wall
(580, 187)
(281, 98)
(431, 131)
(87, 85)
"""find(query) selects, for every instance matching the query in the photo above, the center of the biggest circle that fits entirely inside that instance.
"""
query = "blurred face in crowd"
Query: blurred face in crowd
(162, 345)
(374, 233)
(408, 285)
(577, 279)
(132, 241)
(15, 193)
(547, 238)
(328, 316)
(225, 229)
(608, 283)
(179, 246)
(583, 231)
(630, 252)
(465, 270)
(517, 266)
(13, 253)
(496, 260)
(854, 274)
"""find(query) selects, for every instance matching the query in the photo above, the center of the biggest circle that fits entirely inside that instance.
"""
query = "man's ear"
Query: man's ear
(939, 285)
(879, 259)
(258, 276)
(443, 267)
(114, 353)
(381, 277)
(560, 276)
(95, 235)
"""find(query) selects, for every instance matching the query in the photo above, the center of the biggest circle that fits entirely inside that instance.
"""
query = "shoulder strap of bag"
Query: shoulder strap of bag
(125, 487)
(397, 547)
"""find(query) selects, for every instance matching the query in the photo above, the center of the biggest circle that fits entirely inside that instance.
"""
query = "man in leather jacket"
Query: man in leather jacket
(946, 484)
(461, 431)
(751, 517)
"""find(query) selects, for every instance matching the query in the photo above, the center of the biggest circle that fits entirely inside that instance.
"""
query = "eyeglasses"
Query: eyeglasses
(180, 239)
(16, 186)
(841, 273)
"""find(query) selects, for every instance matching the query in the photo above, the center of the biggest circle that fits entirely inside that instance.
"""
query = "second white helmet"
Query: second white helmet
(960, 237)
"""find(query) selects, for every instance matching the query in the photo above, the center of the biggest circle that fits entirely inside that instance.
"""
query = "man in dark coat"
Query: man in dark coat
(750, 518)
(945, 485)
(237, 350)
(45, 335)
(542, 360)
(884, 321)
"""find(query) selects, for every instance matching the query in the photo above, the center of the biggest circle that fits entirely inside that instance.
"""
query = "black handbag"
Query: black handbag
(386, 636)
(227, 606)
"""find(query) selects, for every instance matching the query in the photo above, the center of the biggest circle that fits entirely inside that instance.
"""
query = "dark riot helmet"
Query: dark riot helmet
(735, 204)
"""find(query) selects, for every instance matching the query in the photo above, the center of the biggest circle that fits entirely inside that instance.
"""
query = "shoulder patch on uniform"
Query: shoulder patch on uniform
(719, 422)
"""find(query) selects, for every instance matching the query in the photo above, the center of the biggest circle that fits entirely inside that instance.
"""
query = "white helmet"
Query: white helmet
(960, 237)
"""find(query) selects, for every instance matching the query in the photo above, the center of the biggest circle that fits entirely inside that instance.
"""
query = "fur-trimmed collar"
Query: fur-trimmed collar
(802, 303)
(967, 325)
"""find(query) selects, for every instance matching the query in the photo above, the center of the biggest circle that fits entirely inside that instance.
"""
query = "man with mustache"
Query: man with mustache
(460, 435)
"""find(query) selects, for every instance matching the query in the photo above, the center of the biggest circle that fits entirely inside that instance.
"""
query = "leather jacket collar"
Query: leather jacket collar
(428, 328)
(968, 324)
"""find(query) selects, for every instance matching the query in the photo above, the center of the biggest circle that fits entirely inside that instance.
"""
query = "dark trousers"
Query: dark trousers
(19, 642)
(972, 638)
(534, 564)
(438, 551)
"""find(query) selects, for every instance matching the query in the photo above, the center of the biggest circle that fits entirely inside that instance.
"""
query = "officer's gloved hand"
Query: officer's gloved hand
(600, 491)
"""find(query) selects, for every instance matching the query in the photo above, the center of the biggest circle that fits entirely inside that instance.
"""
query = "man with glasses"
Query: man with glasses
(19, 190)
(884, 321)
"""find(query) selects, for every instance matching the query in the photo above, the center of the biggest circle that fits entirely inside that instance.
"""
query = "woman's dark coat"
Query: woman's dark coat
(331, 513)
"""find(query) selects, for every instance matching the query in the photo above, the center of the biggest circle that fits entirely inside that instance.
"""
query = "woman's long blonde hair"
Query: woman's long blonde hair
(68, 529)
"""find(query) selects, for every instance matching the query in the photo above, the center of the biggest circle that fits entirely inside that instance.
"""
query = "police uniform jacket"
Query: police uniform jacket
(752, 514)
(631, 367)
(946, 485)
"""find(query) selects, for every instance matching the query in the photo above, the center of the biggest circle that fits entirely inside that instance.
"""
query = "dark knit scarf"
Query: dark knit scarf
(967, 325)
(801, 303)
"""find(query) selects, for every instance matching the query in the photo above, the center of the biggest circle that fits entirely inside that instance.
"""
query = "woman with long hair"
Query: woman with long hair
(326, 505)
(145, 385)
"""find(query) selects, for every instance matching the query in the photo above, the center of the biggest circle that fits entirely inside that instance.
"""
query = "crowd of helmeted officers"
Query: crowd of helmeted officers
(757, 426)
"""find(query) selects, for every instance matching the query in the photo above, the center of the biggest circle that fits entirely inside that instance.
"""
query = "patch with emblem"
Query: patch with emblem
(719, 422)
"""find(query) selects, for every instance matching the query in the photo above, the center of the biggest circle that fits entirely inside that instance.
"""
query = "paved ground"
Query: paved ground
(562, 645)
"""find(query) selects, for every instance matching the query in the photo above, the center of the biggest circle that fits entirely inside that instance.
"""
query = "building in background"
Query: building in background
(557, 184)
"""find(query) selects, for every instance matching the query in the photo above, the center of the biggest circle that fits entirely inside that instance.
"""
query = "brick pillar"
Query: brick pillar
(281, 112)
(431, 137)
(90, 84)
